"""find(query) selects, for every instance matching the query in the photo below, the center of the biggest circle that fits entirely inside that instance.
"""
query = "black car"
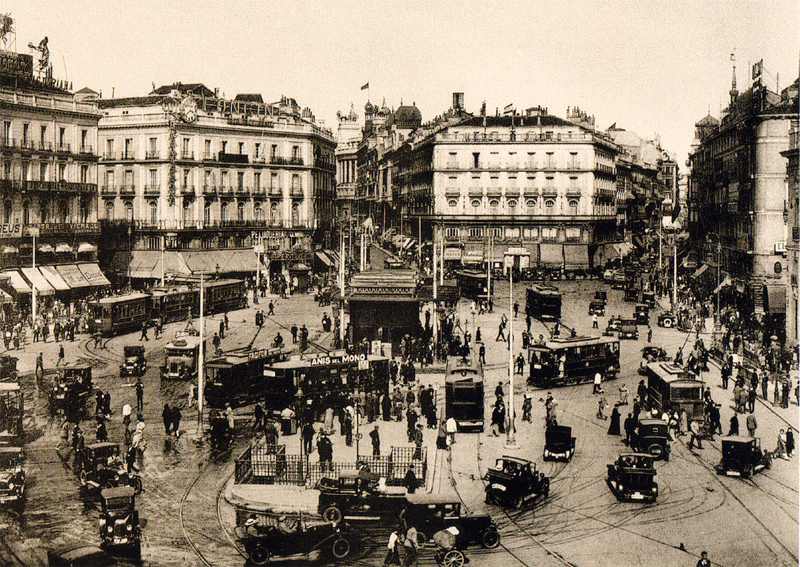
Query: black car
(99, 466)
(559, 444)
(654, 354)
(358, 496)
(8, 368)
(597, 307)
(651, 436)
(742, 456)
(601, 296)
(262, 541)
(431, 513)
(135, 363)
(641, 313)
(628, 330)
(120, 530)
(666, 319)
(72, 388)
(632, 478)
(614, 325)
(12, 477)
(513, 480)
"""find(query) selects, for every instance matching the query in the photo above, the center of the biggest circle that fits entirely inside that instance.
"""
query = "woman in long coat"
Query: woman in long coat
(613, 427)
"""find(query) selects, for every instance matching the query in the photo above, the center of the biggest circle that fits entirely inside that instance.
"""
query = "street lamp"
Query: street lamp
(719, 263)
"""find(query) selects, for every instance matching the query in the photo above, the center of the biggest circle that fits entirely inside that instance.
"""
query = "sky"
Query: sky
(653, 67)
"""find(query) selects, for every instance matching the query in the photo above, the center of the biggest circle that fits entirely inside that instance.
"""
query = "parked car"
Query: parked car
(8, 368)
(651, 437)
(135, 363)
(641, 313)
(601, 296)
(559, 444)
(512, 481)
(631, 293)
(293, 537)
(120, 530)
(614, 324)
(628, 330)
(79, 555)
(597, 307)
(666, 319)
(72, 388)
(358, 496)
(742, 456)
(632, 477)
(654, 354)
(12, 477)
(100, 466)
(649, 298)
(431, 513)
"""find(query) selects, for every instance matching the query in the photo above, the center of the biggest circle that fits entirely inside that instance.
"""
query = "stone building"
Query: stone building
(793, 232)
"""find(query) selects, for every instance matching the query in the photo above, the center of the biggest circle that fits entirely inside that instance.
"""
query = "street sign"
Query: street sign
(33, 231)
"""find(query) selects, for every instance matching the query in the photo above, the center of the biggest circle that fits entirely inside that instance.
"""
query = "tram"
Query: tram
(119, 314)
(671, 388)
(543, 302)
(239, 378)
(174, 304)
(11, 412)
(472, 284)
(464, 393)
(573, 360)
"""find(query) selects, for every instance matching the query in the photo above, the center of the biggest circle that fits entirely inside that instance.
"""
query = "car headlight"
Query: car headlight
(129, 527)
(116, 477)
(110, 529)
(11, 486)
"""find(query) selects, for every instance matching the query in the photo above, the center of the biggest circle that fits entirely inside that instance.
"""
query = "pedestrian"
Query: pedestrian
(694, 428)
(271, 309)
(703, 561)
(527, 407)
(222, 329)
(229, 416)
(516, 309)
(325, 451)
(393, 553)
(500, 333)
(411, 547)
(138, 441)
(780, 448)
(418, 439)
(649, 334)
(308, 438)
(452, 427)
(498, 391)
(478, 336)
(98, 397)
(294, 334)
(714, 419)
(498, 416)
(107, 404)
(752, 424)
(751, 400)
(101, 433)
(594, 321)
(641, 391)
(410, 481)
(176, 420)
(60, 355)
(376, 441)
(789, 442)
(139, 394)
(192, 394)
(601, 405)
(258, 412)
(166, 416)
(613, 427)
(144, 332)
(734, 426)
(482, 354)
(598, 378)
(441, 437)
(225, 319)
(216, 341)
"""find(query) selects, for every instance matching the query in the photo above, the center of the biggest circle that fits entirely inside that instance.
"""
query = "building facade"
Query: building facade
(348, 137)
(793, 232)
(185, 169)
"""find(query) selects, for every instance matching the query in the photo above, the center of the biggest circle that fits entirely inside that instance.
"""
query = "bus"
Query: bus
(181, 356)
(671, 388)
(239, 378)
(572, 360)
(472, 284)
(463, 392)
(543, 302)
(325, 379)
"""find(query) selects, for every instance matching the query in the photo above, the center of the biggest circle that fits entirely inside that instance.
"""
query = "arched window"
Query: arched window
(257, 211)
(512, 204)
(63, 211)
(295, 214)
(26, 212)
(274, 214)
(476, 203)
(207, 213)
(128, 211)
(7, 211)
(223, 212)
(153, 212)
(549, 205)
(573, 206)
(240, 211)
(452, 203)
(531, 204)
(84, 211)
(109, 210)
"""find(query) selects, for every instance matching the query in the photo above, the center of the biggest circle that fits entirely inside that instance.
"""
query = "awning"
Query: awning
(16, 281)
(10, 250)
(576, 256)
(72, 276)
(775, 299)
(323, 258)
(409, 242)
(93, 274)
(37, 279)
(52, 277)
(86, 247)
(205, 262)
(300, 268)
(46, 248)
(4, 297)
(472, 257)
(700, 270)
(64, 248)
(723, 283)
(551, 255)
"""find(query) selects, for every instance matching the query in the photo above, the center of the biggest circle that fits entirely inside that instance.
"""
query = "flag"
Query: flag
(509, 109)
(365, 86)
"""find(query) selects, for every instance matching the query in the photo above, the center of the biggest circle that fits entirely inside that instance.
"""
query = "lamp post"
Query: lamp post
(511, 439)
(200, 363)
(34, 232)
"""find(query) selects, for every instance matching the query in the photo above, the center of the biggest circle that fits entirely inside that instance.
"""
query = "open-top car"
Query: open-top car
(597, 307)
(632, 477)
(512, 481)
(614, 324)
(559, 444)
(99, 466)
(666, 319)
(135, 363)
(742, 456)
(72, 387)
(641, 313)
(431, 513)
(292, 536)
(120, 530)
(357, 495)
(12, 476)
(653, 353)
(628, 330)
(651, 436)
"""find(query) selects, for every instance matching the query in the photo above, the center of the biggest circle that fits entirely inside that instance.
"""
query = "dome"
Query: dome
(407, 117)
(368, 108)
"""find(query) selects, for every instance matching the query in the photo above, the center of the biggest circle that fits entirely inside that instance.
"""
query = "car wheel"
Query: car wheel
(747, 471)
(667, 323)
(518, 501)
(332, 514)
(340, 548)
(259, 555)
(453, 558)
(136, 484)
(656, 450)
(490, 539)
(490, 499)
(422, 537)
(546, 490)
(82, 477)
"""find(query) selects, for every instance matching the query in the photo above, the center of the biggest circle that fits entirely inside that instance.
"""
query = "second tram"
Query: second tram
(239, 378)
(543, 302)
(573, 360)
(671, 388)
(473, 284)
(464, 393)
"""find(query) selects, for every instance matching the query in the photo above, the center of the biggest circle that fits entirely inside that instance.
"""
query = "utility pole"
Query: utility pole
(341, 294)
(511, 438)
(200, 363)
(34, 232)
(489, 270)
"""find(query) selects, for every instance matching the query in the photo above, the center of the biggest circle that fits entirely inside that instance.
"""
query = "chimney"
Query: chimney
(458, 101)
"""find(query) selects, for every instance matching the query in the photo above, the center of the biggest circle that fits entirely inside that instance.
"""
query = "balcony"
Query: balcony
(152, 154)
(276, 192)
(233, 158)
(549, 192)
(86, 150)
(207, 156)
(242, 190)
(296, 192)
(63, 148)
(210, 189)
(127, 191)
(259, 159)
(8, 185)
(110, 156)
(187, 190)
(108, 191)
(152, 190)
(573, 191)
(127, 156)
(189, 156)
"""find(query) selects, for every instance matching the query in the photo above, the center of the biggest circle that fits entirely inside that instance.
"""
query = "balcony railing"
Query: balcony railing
(87, 149)
(108, 190)
(275, 191)
(187, 189)
(297, 192)
(187, 155)
(210, 189)
(47, 186)
(127, 156)
(573, 191)
(152, 190)
(127, 191)
(173, 224)
(152, 154)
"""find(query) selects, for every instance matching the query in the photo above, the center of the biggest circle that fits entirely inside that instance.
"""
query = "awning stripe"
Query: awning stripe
(53, 278)
(72, 275)
(16, 281)
(93, 274)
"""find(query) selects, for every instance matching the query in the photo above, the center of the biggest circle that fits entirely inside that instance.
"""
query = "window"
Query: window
(26, 212)
(185, 178)
(62, 171)
(63, 211)
(128, 148)
(257, 180)
(84, 211)
(257, 211)
(129, 179)
(109, 210)
(240, 180)
(7, 211)
(187, 212)
(185, 150)
(7, 169)
(241, 148)
(530, 232)
(26, 171)
(476, 203)
(512, 203)
(223, 212)
(153, 179)
(494, 203)
(549, 161)
(531, 204)
(549, 205)
(451, 232)
(42, 135)
(476, 232)
(153, 152)
(207, 213)
(549, 233)
(240, 211)
(573, 160)
(224, 148)
(549, 182)
(224, 180)
(496, 232)
(476, 160)
(295, 153)
(153, 212)
(295, 183)
(573, 234)
(84, 174)
(129, 211)
(573, 206)
(84, 145)
(207, 149)
(44, 211)
(273, 151)
(295, 214)
(274, 214)
(452, 203)
(258, 149)
(25, 137)
(512, 232)
(62, 137)
(273, 181)
(7, 131)
(43, 171)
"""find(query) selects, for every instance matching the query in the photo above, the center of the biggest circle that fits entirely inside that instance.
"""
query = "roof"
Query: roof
(101, 445)
(505, 121)
(515, 460)
(565, 342)
(407, 117)
(121, 298)
(118, 492)
(184, 88)
(249, 97)
(652, 422)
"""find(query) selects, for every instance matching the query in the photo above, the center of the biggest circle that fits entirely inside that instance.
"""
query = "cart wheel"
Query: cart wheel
(136, 484)
(422, 537)
(82, 477)
(453, 558)
(332, 514)
(340, 548)
(656, 450)
(490, 539)
(518, 501)
(259, 555)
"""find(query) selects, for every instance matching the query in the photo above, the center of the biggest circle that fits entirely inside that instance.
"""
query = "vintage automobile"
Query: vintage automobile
(649, 298)
(631, 293)
(72, 388)
(652, 353)
(356, 495)
(431, 513)
(742, 456)
(632, 477)
(601, 296)
(598, 307)
(641, 313)
(651, 437)
(628, 330)
(512, 481)
(666, 319)
(120, 530)
(614, 324)
(559, 444)
(99, 466)
(12, 477)
(8, 368)
(135, 363)
(79, 555)
(292, 536)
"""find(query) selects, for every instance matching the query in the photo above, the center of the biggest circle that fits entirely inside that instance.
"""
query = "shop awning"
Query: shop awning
(247, 260)
(86, 247)
(4, 297)
(46, 248)
(72, 276)
(322, 257)
(775, 299)
(551, 255)
(64, 248)
(576, 256)
(93, 275)
(452, 253)
(37, 279)
(409, 242)
(16, 281)
(9, 250)
(723, 283)
(55, 280)
(205, 262)
(699, 272)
